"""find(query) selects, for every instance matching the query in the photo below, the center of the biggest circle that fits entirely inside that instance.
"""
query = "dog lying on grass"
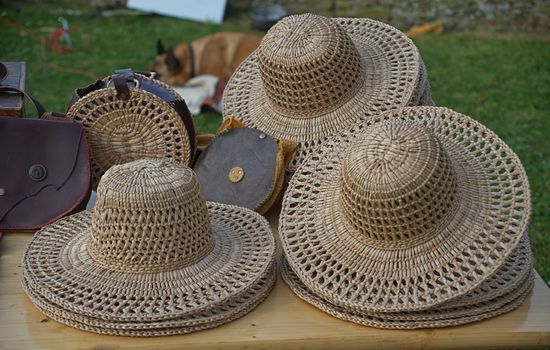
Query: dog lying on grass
(216, 54)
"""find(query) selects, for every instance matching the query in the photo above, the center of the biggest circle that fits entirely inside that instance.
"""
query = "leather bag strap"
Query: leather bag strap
(37, 105)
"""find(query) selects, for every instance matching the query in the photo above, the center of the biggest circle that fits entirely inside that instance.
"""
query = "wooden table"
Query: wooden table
(281, 322)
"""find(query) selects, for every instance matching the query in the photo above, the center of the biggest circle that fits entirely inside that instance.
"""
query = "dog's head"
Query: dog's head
(170, 67)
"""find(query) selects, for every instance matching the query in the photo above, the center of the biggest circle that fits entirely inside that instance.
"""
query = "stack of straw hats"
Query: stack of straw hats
(313, 77)
(153, 257)
(417, 219)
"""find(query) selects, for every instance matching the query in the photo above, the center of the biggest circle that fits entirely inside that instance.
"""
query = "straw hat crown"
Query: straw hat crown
(397, 185)
(150, 216)
(308, 64)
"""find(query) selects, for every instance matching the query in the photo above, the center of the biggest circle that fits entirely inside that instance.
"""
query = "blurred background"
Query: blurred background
(489, 59)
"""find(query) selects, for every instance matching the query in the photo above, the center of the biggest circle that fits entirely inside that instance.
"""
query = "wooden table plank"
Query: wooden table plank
(282, 321)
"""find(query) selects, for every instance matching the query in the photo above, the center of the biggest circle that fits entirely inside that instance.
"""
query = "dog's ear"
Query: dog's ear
(160, 47)
(171, 61)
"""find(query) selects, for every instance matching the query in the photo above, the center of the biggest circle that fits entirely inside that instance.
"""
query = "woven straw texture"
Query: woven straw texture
(120, 131)
(431, 318)
(313, 76)
(230, 310)
(151, 250)
(405, 214)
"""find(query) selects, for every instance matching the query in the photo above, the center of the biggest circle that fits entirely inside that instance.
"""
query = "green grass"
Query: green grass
(501, 80)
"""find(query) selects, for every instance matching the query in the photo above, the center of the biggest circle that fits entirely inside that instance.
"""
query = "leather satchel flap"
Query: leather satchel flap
(35, 154)
(239, 167)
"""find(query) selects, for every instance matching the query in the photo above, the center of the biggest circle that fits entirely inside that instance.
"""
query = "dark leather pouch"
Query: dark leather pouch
(45, 171)
(243, 166)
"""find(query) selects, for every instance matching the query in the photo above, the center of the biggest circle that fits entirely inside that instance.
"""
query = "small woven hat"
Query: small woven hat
(406, 213)
(152, 254)
(136, 119)
(314, 76)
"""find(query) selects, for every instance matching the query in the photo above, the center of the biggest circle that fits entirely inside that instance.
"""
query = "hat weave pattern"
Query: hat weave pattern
(383, 259)
(231, 309)
(397, 185)
(309, 69)
(432, 318)
(145, 225)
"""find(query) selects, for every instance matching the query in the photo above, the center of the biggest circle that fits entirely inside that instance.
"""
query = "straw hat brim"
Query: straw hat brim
(58, 264)
(420, 319)
(491, 215)
(392, 73)
(121, 131)
(218, 315)
(507, 278)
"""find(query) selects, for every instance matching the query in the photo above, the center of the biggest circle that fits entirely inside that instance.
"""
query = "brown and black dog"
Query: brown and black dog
(217, 54)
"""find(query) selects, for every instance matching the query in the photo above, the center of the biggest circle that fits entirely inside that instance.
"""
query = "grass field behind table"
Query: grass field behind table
(502, 80)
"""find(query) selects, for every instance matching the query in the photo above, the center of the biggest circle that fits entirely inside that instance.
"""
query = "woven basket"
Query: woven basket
(152, 122)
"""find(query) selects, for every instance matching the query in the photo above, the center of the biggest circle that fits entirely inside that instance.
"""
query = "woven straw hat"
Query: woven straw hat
(409, 212)
(142, 126)
(151, 254)
(314, 76)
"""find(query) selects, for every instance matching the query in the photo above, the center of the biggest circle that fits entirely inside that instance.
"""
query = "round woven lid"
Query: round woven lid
(151, 249)
(120, 131)
(406, 213)
(431, 318)
(313, 76)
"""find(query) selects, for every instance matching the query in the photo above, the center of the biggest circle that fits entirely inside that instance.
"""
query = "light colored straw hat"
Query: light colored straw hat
(151, 251)
(404, 214)
(314, 76)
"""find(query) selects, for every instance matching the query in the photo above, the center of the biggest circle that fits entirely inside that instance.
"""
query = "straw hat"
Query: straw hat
(406, 213)
(314, 76)
(142, 126)
(152, 251)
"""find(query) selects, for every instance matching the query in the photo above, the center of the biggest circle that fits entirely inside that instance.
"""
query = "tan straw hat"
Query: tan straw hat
(314, 76)
(151, 255)
(409, 212)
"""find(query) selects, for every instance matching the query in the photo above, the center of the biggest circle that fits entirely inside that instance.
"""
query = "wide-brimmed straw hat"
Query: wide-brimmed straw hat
(503, 291)
(151, 255)
(314, 76)
(406, 212)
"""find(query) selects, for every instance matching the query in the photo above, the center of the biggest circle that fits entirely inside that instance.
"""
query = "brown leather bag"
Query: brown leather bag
(45, 170)
(243, 166)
